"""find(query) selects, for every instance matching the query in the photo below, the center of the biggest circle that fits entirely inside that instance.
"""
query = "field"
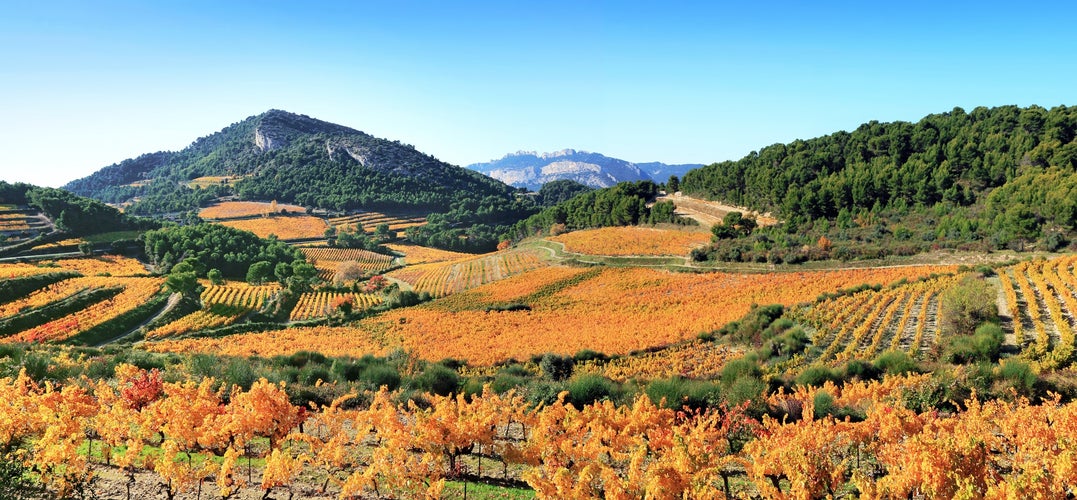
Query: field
(328, 260)
(368, 221)
(444, 278)
(614, 311)
(234, 209)
(135, 292)
(213, 180)
(317, 304)
(869, 322)
(630, 241)
(1041, 299)
(291, 227)
(222, 306)
(415, 254)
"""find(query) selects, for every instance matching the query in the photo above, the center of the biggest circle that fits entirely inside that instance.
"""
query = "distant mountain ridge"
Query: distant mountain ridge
(291, 158)
(530, 169)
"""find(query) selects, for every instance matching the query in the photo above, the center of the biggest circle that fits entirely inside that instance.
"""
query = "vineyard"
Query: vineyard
(328, 260)
(237, 209)
(441, 279)
(1041, 297)
(330, 341)
(194, 437)
(630, 241)
(368, 221)
(222, 306)
(135, 292)
(415, 254)
(318, 304)
(866, 323)
(291, 227)
(614, 311)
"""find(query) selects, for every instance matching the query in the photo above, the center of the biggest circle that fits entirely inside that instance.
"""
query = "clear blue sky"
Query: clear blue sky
(87, 84)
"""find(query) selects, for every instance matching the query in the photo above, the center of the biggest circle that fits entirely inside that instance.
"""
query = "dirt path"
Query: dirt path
(171, 304)
(1005, 316)
(711, 213)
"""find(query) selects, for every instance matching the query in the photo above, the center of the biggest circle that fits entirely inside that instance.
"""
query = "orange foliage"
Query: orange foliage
(285, 228)
(415, 254)
(135, 293)
(233, 209)
(610, 310)
(440, 279)
(629, 241)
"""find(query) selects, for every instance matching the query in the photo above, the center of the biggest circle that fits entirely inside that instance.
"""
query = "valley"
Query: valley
(293, 307)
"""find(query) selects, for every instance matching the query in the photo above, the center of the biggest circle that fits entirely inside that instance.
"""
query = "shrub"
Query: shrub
(816, 375)
(439, 380)
(586, 389)
(895, 363)
(556, 367)
(1019, 374)
(384, 375)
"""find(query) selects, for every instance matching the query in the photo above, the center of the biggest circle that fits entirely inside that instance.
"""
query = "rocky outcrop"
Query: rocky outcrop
(531, 170)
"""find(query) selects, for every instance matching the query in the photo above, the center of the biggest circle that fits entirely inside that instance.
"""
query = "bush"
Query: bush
(861, 370)
(746, 389)
(967, 305)
(347, 370)
(383, 375)
(586, 389)
(505, 382)
(312, 375)
(737, 369)
(679, 393)
(1019, 374)
(816, 375)
(556, 367)
(439, 380)
(823, 404)
(982, 346)
(238, 372)
(895, 363)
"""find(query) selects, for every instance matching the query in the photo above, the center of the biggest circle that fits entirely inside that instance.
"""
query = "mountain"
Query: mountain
(661, 172)
(291, 158)
(531, 170)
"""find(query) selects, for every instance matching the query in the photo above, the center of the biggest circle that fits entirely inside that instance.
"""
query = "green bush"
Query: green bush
(736, 369)
(383, 375)
(816, 375)
(1019, 374)
(439, 380)
(587, 388)
(823, 404)
(679, 392)
(312, 375)
(860, 369)
(895, 363)
(984, 345)
(556, 367)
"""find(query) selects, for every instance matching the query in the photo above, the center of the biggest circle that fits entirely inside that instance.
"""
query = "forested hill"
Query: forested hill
(291, 158)
(956, 157)
(990, 178)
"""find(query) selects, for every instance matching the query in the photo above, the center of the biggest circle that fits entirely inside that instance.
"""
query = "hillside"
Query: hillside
(292, 158)
(985, 180)
(531, 170)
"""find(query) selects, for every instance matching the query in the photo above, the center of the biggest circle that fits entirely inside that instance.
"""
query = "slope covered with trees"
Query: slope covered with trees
(990, 178)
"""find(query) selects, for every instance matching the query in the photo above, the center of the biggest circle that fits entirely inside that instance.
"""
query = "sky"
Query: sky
(88, 84)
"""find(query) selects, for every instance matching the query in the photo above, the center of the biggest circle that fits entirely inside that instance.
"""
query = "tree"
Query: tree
(215, 277)
(259, 272)
(184, 280)
(381, 232)
(673, 185)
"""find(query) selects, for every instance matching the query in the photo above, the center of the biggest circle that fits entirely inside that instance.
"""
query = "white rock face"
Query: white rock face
(264, 141)
(532, 170)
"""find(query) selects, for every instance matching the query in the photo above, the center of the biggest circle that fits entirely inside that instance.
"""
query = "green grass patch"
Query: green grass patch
(482, 491)
(111, 236)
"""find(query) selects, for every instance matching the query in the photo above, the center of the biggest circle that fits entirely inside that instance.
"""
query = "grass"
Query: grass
(112, 236)
(481, 491)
